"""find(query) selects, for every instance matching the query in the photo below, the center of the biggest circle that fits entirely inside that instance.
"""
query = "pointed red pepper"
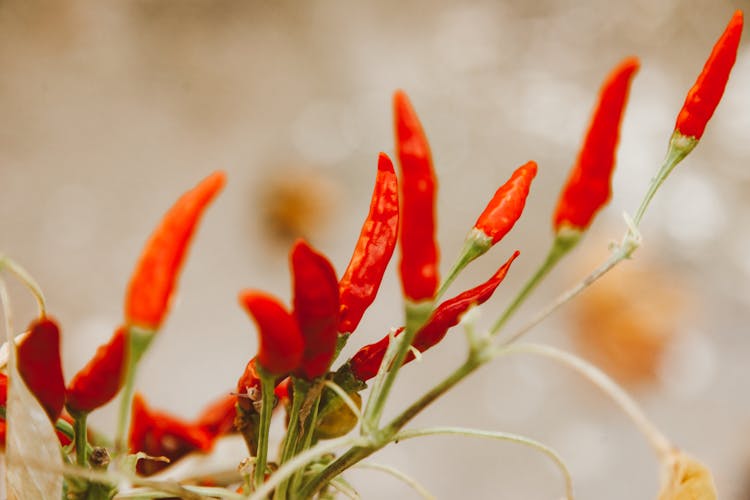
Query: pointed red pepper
(588, 187)
(102, 377)
(419, 248)
(248, 386)
(704, 96)
(377, 240)
(281, 343)
(154, 279)
(365, 363)
(159, 434)
(217, 419)
(316, 308)
(40, 367)
(506, 205)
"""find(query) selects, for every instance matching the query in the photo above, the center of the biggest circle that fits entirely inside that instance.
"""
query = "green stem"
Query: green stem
(382, 438)
(503, 436)
(679, 147)
(138, 342)
(299, 394)
(412, 483)
(307, 436)
(476, 244)
(563, 243)
(416, 315)
(300, 461)
(267, 383)
(80, 437)
(25, 278)
(662, 446)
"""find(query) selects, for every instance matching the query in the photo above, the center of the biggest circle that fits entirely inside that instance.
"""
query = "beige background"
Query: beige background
(109, 110)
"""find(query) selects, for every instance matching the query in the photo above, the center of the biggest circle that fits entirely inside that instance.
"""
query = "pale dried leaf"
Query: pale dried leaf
(33, 455)
(4, 348)
(687, 479)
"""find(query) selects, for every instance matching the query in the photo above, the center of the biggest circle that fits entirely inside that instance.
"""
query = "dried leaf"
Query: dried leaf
(33, 455)
(687, 479)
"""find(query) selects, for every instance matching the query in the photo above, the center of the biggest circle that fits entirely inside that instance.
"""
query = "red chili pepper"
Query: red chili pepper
(101, 379)
(419, 249)
(588, 187)
(280, 339)
(506, 206)
(40, 367)
(365, 363)
(283, 391)
(361, 280)
(217, 419)
(159, 434)
(155, 276)
(704, 96)
(316, 308)
(248, 386)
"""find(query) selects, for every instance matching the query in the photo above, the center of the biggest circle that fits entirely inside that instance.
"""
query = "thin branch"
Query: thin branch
(413, 483)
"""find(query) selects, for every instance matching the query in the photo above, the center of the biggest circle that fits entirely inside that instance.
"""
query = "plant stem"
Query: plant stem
(27, 280)
(476, 244)
(416, 315)
(300, 461)
(383, 437)
(307, 435)
(80, 437)
(679, 147)
(654, 436)
(138, 342)
(560, 247)
(416, 486)
(299, 394)
(267, 382)
(504, 436)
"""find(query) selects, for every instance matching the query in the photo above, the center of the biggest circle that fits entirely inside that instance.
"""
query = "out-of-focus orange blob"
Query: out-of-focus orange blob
(626, 320)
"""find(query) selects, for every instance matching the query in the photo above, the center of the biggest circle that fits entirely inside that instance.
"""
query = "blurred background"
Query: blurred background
(110, 110)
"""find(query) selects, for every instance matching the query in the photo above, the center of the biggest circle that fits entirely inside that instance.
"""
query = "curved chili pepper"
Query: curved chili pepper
(101, 379)
(419, 248)
(281, 344)
(217, 418)
(704, 96)
(507, 204)
(316, 308)
(159, 434)
(588, 187)
(40, 367)
(365, 363)
(155, 276)
(248, 386)
(377, 240)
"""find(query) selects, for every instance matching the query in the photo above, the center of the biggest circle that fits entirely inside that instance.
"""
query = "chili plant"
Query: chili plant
(51, 452)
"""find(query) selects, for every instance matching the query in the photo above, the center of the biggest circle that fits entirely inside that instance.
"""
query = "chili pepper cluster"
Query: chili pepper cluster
(298, 344)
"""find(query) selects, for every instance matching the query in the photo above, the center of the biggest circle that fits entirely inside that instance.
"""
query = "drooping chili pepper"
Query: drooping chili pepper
(217, 419)
(159, 434)
(248, 386)
(704, 96)
(280, 341)
(365, 363)
(377, 240)
(419, 248)
(588, 187)
(101, 379)
(155, 276)
(40, 367)
(316, 308)
(507, 204)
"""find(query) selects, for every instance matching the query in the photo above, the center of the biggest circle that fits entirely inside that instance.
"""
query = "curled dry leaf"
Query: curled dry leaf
(33, 456)
(684, 478)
